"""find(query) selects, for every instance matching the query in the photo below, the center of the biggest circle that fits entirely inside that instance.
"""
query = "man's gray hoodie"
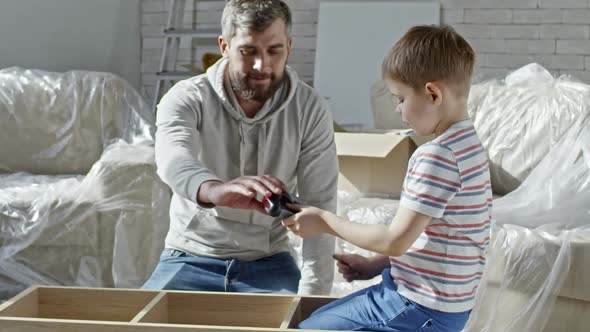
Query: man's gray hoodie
(201, 136)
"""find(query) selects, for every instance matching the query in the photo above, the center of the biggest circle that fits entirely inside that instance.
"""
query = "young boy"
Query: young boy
(433, 252)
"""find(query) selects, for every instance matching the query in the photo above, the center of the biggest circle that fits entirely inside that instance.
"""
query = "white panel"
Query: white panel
(353, 38)
(61, 35)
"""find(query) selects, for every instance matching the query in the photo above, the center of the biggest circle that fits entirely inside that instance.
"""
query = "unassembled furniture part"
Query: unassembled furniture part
(66, 309)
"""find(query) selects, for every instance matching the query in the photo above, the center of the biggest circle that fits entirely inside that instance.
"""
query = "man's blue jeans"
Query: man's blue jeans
(178, 270)
(381, 308)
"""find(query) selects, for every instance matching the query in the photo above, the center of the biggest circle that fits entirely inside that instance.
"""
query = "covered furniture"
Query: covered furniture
(80, 201)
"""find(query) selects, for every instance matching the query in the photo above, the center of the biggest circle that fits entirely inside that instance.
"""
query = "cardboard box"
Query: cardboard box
(375, 163)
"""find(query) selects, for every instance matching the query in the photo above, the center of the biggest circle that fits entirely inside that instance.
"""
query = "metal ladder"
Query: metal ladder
(167, 73)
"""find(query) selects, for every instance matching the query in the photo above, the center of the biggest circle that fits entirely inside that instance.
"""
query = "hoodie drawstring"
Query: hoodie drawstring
(243, 156)
(261, 148)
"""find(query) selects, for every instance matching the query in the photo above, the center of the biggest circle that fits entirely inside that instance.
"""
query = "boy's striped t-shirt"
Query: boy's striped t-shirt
(448, 179)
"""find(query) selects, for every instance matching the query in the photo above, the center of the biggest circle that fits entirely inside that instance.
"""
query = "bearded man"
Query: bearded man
(244, 130)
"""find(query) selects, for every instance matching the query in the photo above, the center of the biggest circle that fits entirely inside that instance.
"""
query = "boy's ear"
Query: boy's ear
(434, 92)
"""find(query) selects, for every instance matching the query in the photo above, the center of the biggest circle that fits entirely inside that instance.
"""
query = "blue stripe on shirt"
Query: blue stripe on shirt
(474, 153)
(436, 279)
(438, 298)
(444, 261)
(469, 212)
(432, 183)
(474, 193)
(438, 164)
(422, 201)
(460, 138)
(452, 243)
(471, 176)
(475, 231)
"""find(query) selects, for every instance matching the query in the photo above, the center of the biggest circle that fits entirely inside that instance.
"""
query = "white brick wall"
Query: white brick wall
(504, 33)
(531, 46)
(515, 31)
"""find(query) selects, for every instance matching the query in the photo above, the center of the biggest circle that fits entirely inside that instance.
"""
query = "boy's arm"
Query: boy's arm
(390, 240)
(432, 180)
(357, 267)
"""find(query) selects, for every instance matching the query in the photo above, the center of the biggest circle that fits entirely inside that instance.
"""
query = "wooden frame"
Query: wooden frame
(68, 309)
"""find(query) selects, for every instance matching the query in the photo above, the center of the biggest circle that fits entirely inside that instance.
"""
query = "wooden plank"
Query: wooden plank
(13, 324)
(308, 305)
(293, 314)
(25, 304)
(155, 312)
(228, 309)
(132, 310)
(92, 304)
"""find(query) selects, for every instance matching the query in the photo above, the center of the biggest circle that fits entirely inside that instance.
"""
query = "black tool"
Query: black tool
(276, 204)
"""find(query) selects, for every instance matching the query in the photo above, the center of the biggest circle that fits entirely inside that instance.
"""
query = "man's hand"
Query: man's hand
(307, 222)
(356, 267)
(240, 193)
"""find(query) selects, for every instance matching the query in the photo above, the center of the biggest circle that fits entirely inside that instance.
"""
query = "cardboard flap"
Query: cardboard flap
(366, 144)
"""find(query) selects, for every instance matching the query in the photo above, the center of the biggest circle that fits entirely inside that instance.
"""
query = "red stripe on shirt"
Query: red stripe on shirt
(436, 273)
(467, 207)
(433, 156)
(432, 198)
(473, 147)
(478, 225)
(439, 254)
(453, 237)
(464, 130)
(432, 291)
(481, 186)
(474, 168)
(436, 178)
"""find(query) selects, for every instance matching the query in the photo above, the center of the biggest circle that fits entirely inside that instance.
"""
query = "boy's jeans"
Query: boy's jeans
(381, 308)
(178, 270)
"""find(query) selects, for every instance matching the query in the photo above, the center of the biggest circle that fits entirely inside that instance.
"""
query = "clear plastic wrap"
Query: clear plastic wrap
(521, 117)
(536, 276)
(362, 210)
(80, 201)
(55, 123)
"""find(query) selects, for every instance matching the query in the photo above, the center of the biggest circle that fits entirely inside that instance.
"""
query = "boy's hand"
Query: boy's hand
(307, 222)
(356, 267)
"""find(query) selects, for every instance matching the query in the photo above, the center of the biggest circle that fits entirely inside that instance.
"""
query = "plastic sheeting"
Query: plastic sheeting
(536, 275)
(362, 210)
(54, 123)
(521, 117)
(80, 201)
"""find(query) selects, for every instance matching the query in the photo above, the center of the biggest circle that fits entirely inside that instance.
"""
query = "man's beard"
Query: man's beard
(242, 88)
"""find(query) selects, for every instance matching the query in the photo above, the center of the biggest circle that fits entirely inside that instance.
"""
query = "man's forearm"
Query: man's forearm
(317, 272)
(204, 191)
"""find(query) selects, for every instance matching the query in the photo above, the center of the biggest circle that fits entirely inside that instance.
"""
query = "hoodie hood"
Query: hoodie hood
(271, 107)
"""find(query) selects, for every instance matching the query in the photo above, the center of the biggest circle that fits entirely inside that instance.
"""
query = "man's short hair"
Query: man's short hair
(253, 15)
(431, 53)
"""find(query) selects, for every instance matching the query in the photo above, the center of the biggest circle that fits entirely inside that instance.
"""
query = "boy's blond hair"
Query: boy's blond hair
(428, 54)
